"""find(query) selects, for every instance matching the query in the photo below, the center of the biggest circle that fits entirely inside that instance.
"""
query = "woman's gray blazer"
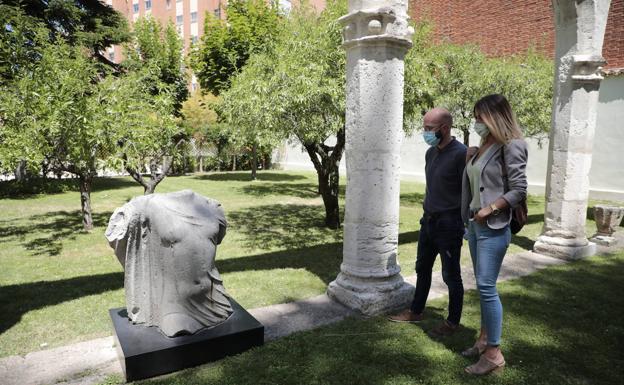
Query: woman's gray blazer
(511, 183)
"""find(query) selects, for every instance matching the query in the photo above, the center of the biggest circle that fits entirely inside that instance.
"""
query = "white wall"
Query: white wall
(606, 176)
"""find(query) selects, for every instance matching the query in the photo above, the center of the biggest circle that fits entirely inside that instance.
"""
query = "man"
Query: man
(442, 229)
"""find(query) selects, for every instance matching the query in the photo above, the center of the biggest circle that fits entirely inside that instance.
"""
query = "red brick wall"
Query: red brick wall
(503, 27)
(613, 48)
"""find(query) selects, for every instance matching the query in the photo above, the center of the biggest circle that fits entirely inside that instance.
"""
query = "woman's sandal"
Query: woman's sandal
(485, 366)
(474, 351)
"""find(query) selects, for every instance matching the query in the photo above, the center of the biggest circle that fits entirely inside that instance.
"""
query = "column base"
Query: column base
(371, 296)
(557, 248)
(604, 240)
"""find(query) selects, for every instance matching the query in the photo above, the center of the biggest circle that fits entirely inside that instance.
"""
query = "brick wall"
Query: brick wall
(503, 27)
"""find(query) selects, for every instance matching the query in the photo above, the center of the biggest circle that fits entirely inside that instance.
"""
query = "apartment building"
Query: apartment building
(188, 16)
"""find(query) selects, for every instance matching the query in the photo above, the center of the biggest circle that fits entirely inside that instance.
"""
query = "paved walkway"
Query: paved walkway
(89, 362)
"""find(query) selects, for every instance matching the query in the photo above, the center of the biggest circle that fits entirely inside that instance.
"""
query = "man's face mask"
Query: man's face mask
(432, 138)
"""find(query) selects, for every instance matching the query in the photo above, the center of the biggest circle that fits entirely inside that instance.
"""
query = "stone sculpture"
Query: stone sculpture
(167, 245)
(608, 218)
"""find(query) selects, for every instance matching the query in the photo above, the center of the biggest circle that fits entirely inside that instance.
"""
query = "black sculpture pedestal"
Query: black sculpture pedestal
(146, 352)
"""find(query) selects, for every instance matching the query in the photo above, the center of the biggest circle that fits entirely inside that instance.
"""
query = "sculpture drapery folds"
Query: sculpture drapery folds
(167, 245)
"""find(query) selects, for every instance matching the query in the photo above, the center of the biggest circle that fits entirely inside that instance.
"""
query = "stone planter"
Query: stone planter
(607, 219)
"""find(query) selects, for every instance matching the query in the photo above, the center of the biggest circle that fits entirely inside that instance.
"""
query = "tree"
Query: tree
(146, 129)
(284, 94)
(463, 74)
(88, 23)
(160, 50)
(55, 111)
(155, 88)
(225, 46)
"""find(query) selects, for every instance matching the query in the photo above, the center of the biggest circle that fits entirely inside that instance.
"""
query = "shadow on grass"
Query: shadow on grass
(17, 300)
(245, 176)
(299, 190)
(560, 327)
(44, 234)
(322, 260)
(522, 241)
(33, 187)
(285, 226)
(415, 198)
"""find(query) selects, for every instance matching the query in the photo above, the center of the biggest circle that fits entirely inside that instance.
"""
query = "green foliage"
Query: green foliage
(54, 111)
(283, 93)
(463, 74)
(87, 23)
(419, 89)
(159, 51)
(226, 45)
(21, 40)
(527, 81)
(145, 128)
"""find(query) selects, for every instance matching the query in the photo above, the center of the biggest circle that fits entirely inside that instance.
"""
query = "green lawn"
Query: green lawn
(58, 282)
(562, 325)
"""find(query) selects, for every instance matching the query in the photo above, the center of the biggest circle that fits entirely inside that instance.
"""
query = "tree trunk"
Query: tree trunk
(20, 171)
(233, 162)
(85, 201)
(329, 191)
(156, 178)
(466, 133)
(201, 163)
(328, 176)
(254, 161)
(44, 170)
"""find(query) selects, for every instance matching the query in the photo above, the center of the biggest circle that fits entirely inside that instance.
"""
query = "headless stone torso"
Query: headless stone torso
(168, 250)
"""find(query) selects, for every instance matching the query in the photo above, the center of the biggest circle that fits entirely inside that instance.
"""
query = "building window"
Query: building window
(180, 19)
(193, 17)
(168, 4)
(148, 4)
(217, 13)
(194, 39)
(135, 7)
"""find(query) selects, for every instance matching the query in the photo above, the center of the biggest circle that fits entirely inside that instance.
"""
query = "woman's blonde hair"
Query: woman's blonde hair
(494, 110)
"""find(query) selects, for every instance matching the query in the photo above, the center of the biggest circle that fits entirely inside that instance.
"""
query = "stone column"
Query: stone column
(580, 26)
(376, 38)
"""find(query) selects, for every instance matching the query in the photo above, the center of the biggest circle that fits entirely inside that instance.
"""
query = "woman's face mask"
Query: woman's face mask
(481, 129)
(432, 138)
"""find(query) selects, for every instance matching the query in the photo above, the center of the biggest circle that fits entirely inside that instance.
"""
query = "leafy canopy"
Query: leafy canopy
(226, 45)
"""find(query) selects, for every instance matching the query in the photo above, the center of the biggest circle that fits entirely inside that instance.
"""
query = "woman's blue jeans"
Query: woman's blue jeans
(487, 249)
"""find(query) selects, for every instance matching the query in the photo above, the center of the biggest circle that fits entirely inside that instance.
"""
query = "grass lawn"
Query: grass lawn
(58, 282)
(562, 325)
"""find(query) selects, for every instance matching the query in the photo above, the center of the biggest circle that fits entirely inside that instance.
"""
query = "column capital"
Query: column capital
(374, 26)
(587, 68)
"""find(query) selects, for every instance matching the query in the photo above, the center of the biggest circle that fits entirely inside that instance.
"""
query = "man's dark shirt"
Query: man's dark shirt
(444, 170)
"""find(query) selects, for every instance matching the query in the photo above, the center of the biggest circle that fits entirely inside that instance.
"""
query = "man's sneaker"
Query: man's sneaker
(406, 316)
(444, 329)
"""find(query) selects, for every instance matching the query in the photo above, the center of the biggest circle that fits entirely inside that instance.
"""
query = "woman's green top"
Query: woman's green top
(473, 169)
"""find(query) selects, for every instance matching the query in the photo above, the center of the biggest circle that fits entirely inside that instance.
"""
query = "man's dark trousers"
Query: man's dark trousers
(440, 233)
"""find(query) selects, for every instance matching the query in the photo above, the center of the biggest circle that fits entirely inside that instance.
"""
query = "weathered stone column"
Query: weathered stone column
(580, 27)
(376, 38)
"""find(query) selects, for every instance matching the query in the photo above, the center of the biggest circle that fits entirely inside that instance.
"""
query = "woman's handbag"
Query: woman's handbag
(520, 213)
(519, 217)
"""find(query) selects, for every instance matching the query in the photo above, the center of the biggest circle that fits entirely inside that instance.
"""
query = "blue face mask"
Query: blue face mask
(432, 138)
(481, 129)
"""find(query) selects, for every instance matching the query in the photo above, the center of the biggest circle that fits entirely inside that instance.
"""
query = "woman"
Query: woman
(494, 182)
